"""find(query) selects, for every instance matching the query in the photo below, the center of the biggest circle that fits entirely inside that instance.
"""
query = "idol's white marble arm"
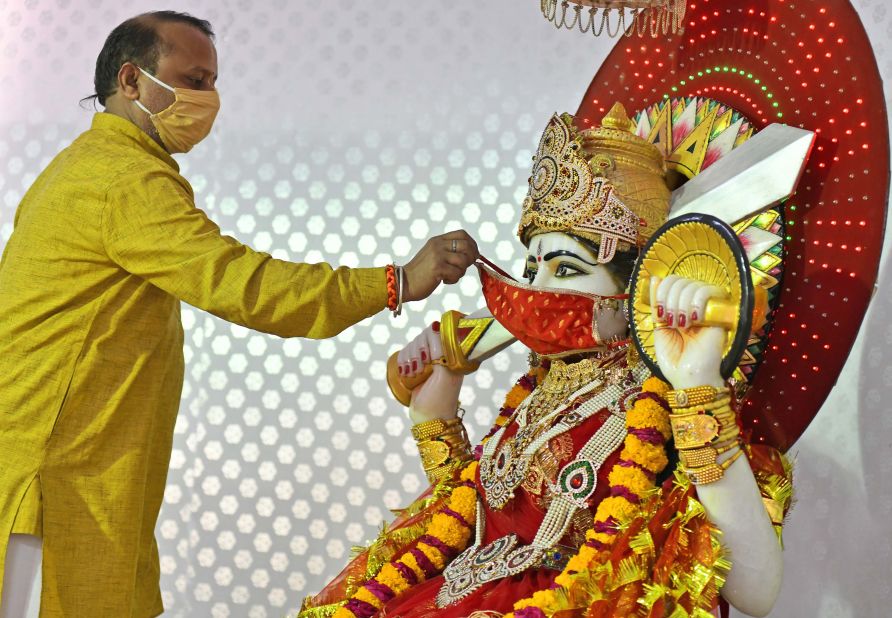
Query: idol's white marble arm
(690, 356)
(735, 506)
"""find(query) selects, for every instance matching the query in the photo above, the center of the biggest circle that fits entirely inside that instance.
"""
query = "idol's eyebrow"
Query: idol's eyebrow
(554, 254)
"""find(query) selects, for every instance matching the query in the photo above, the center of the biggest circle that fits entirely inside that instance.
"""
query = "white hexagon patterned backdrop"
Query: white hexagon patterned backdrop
(349, 133)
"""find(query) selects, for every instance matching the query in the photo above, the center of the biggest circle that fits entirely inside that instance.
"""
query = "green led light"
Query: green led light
(793, 207)
(789, 238)
(718, 69)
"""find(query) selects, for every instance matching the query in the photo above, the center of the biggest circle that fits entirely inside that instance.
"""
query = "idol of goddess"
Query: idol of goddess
(601, 490)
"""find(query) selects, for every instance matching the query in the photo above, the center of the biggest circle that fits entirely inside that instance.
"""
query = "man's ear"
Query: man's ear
(127, 81)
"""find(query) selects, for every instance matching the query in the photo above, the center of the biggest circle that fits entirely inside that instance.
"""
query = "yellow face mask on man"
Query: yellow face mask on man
(187, 120)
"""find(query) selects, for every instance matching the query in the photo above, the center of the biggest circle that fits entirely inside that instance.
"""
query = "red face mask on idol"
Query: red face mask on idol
(550, 322)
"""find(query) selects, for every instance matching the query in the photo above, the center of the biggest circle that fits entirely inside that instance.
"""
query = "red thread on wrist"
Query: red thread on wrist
(392, 296)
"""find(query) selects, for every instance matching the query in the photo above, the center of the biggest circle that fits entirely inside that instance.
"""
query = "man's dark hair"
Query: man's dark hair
(137, 41)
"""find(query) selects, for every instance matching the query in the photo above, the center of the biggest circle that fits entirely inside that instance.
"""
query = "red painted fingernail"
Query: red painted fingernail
(669, 319)
(414, 365)
(681, 320)
(694, 316)
(659, 311)
(423, 355)
(400, 369)
(435, 327)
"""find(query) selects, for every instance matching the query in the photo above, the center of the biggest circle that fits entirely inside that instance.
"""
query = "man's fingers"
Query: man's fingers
(459, 260)
(459, 241)
(451, 274)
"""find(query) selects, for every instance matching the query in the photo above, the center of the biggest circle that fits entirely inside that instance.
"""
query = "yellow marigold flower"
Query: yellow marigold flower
(464, 502)
(390, 577)
(516, 396)
(433, 554)
(647, 413)
(617, 507)
(655, 385)
(364, 595)
(630, 478)
(469, 472)
(448, 530)
(343, 612)
(649, 456)
(409, 560)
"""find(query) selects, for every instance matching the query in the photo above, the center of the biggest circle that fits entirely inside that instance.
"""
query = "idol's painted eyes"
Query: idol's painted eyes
(565, 270)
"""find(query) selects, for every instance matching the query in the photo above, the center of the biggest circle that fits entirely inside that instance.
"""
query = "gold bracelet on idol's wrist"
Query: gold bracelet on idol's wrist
(698, 395)
(443, 446)
(718, 404)
(705, 428)
(712, 472)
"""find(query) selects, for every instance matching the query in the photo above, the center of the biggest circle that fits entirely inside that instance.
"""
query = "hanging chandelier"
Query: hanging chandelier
(627, 17)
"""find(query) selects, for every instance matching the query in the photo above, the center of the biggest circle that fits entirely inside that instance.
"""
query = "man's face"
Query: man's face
(188, 60)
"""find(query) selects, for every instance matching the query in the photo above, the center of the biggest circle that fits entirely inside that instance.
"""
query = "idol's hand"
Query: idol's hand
(436, 397)
(688, 353)
(442, 259)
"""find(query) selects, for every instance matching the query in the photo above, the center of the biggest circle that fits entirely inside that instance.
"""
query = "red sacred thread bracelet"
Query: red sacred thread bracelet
(392, 296)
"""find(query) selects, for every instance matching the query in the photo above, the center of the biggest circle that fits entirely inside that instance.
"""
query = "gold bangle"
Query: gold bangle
(695, 396)
(443, 445)
(718, 404)
(435, 427)
(705, 455)
(697, 430)
(712, 472)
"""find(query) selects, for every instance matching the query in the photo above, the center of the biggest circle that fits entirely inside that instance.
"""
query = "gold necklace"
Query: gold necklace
(504, 468)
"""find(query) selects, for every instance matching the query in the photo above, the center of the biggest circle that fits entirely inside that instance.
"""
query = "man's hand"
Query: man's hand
(443, 258)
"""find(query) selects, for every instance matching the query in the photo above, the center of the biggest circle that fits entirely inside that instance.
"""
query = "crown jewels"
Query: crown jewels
(632, 16)
(604, 184)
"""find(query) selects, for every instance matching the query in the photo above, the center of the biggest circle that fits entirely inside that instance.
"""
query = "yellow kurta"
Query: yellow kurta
(106, 243)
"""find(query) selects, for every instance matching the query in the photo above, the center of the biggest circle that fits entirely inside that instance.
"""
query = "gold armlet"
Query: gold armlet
(443, 446)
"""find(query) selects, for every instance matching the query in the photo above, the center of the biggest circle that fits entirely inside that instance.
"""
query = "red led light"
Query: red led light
(834, 179)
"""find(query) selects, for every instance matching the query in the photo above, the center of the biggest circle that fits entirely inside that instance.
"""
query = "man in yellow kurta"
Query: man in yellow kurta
(106, 244)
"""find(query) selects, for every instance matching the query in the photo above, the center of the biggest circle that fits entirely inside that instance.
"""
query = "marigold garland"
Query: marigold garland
(631, 478)
(447, 534)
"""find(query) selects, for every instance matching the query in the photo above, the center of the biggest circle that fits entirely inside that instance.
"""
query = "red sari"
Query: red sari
(522, 516)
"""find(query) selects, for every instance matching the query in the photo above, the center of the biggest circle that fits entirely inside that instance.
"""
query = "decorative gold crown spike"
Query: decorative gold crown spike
(617, 119)
(632, 16)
